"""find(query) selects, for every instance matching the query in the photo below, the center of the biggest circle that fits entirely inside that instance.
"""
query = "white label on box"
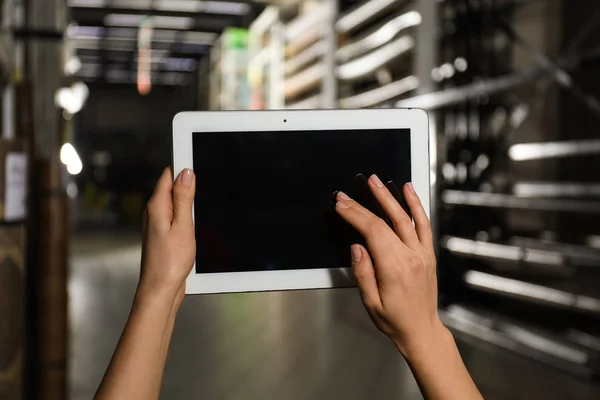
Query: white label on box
(15, 200)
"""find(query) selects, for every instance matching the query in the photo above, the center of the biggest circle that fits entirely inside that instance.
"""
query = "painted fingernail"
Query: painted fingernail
(356, 253)
(341, 205)
(186, 177)
(343, 196)
(375, 179)
(411, 188)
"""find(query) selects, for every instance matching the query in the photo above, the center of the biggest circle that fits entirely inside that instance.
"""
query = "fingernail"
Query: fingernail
(186, 177)
(343, 196)
(411, 188)
(375, 179)
(356, 253)
(341, 205)
(334, 197)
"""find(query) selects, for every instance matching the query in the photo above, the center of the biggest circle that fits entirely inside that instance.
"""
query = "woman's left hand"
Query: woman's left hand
(169, 245)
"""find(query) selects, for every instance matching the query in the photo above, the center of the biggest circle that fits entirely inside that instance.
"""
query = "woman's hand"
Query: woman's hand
(397, 276)
(168, 253)
(169, 245)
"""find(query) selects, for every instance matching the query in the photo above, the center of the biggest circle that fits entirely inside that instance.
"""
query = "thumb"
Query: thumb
(365, 276)
(183, 198)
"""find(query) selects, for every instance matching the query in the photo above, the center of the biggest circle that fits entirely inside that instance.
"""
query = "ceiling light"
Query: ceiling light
(86, 3)
(212, 7)
(123, 20)
(159, 21)
(83, 32)
(189, 6)
(177, 5)
(76, 32)
(173, 22)
(224, 7)
(132, 4)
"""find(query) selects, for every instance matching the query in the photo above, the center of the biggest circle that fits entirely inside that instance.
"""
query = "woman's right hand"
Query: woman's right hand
(397, 275)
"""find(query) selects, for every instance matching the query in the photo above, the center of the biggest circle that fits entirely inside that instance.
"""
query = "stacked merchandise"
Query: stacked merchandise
(265, 56)
(229, 86)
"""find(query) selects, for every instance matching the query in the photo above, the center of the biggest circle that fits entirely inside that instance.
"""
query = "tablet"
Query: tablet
(264, 211)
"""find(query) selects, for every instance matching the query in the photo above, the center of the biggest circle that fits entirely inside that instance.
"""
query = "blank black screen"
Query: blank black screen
(264, 200)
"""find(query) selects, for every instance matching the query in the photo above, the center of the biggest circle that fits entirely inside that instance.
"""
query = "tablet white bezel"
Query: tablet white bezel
(185, 124)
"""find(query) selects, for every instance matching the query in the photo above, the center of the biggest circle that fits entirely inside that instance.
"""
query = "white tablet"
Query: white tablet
(264, 211)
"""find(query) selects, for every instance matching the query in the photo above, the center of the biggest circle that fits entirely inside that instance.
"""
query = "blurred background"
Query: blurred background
(89, 90)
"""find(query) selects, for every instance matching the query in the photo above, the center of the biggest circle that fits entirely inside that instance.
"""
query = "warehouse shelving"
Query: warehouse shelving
(309, 67)
(434, 55)
(315, 59)
(376, 59)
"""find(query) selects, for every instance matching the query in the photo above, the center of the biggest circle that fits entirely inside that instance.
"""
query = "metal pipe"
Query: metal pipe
(584, 339)
(478, 199)
(531, 292)
(541, 151)
(309, 103)
(314, 19)
(381, 36)
(303, 81)
(371, 62)
(305, 57)
(381, 94)
(556, 189)
(449, 97)
(362, 14)
(511, 335)
(574, 255)
(494, 251)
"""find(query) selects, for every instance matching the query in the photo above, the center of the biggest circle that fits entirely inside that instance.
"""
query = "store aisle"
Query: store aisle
(294, 345)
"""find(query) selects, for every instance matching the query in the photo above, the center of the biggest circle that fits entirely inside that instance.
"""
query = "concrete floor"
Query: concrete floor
(291, 345)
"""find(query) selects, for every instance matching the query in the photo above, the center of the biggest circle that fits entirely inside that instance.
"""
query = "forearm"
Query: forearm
(135, 372)
(439, 368)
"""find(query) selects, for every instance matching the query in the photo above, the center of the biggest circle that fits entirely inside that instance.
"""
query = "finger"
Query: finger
(371, 227)
(160, 205)
(382, 242)
(183, 199)
(360, 218)
(366, 198)
(401, 221)
(343, 198)
(399, 196)
(422, 224)
(364, 273)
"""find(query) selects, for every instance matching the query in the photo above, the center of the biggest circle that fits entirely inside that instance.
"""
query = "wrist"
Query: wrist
(158, 295)
(426, 343)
